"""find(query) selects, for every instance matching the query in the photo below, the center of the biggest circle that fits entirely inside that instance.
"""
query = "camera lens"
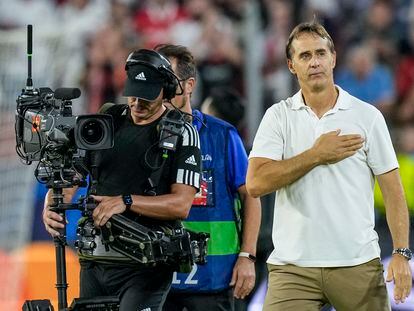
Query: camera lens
(92, 132)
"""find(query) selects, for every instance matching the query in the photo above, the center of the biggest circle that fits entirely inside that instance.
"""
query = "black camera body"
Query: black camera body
(45, 125)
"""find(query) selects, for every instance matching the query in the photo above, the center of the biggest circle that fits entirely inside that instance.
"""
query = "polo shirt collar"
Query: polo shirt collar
(342, 102)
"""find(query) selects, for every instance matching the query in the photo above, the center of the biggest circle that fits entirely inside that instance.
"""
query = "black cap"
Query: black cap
(143, 82)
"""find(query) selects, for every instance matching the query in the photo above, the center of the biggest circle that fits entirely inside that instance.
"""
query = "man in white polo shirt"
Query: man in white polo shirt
(321, 151)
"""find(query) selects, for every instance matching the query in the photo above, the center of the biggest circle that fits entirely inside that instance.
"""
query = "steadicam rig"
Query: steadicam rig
(48, 133)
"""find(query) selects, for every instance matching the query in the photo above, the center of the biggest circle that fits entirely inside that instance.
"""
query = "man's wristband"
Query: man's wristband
(247, 255)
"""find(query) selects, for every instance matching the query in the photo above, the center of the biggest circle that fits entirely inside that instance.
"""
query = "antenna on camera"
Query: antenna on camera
(29, 82)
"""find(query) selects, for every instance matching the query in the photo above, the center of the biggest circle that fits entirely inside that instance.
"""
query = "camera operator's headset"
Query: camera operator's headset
(158, 62)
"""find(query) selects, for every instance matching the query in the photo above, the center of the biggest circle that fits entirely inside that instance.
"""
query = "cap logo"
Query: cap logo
(141, 76)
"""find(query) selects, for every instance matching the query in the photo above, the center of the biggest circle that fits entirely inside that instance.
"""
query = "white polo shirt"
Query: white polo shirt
(326, 218)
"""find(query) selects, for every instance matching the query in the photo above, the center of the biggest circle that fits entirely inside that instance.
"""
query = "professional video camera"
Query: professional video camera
(45, 124)
(46, 131)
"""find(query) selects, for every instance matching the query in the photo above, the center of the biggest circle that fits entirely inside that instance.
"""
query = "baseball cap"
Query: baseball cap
(143, 82)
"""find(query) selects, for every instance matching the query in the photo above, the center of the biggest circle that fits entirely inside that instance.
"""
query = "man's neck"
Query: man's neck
(187, 106)
(189, 110)
(320, 101)
(155, 116)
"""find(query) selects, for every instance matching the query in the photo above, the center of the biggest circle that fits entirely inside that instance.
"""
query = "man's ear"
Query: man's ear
(189, 86)
(290, 66)
(333, 60)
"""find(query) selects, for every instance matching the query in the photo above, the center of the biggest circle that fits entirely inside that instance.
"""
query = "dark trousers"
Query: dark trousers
(138, 287)
(221, 301)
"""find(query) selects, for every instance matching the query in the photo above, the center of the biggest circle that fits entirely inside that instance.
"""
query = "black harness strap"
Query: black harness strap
(171, 129)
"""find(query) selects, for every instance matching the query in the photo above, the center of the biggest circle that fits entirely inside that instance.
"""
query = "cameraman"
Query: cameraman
(123, 172)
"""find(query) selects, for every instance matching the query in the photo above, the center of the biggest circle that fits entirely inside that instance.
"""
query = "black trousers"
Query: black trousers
(220, 301)
(137, 286)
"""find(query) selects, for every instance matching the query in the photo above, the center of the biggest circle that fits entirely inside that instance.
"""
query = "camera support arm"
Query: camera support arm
(60, 243)
(57, 183)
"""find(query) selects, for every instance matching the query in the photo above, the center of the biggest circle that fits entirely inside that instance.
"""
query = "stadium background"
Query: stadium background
(238, 44)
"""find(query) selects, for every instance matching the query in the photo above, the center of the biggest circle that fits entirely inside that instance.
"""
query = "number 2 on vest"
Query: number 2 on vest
(189, 280)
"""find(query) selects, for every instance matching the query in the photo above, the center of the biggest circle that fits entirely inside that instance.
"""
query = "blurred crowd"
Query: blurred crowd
(374, 43)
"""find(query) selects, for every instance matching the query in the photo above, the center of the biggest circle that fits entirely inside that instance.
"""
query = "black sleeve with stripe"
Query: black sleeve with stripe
(187, 164)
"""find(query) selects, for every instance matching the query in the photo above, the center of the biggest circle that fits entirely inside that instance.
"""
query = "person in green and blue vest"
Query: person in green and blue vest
(230, 271)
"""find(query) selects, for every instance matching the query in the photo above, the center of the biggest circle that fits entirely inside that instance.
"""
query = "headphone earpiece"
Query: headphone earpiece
(158, 62)
(170, 83)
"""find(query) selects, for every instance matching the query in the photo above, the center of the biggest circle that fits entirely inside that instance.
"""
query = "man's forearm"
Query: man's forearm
(251, 223)
(398, 223)
(175, 205)
(396, 208)
(166, 207)
(265, 176)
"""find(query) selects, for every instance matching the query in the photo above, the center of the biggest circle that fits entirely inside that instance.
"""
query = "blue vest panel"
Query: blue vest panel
(214, 203)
